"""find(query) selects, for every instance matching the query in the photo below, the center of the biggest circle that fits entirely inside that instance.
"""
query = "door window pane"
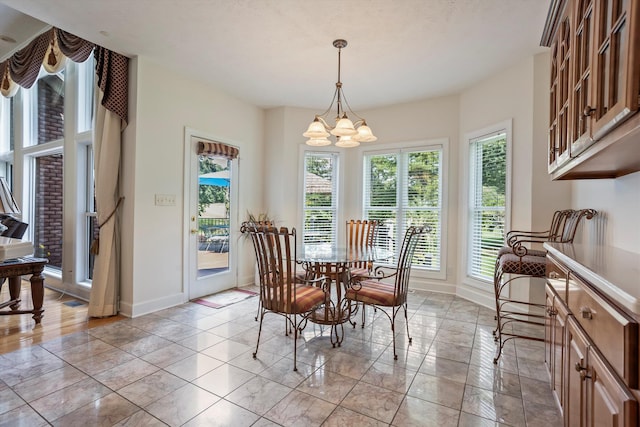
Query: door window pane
(213, 214)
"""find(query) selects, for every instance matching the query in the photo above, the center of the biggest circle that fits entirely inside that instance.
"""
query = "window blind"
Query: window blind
(320, 198)
(402, 189)
(487, 203)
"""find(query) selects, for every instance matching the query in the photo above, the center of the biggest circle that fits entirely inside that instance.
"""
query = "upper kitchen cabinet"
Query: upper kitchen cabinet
(594, 128)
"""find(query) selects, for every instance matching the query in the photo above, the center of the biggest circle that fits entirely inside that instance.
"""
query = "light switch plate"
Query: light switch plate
(165, 199)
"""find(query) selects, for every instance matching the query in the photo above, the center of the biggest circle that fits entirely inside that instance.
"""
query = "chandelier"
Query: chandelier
(347, 133)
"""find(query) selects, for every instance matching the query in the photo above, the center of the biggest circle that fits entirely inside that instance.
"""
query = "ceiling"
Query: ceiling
(279, 52)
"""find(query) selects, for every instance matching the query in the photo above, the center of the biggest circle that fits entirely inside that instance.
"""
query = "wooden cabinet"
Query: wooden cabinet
(594, 88)
(555, 328)
(595, 396)
(591, 351)
(559, 135)
(555, 344)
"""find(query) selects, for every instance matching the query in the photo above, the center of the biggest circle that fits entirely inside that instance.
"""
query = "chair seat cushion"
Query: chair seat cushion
(303, 300)
(359, 272)
(373, 292)
(505, 250)
(529, 265)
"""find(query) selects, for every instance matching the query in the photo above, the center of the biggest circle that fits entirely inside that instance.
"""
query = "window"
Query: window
(487, 202)
(320, 211)
(45, 135)
(404, 188)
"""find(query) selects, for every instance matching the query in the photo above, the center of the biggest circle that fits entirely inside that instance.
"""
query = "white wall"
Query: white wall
(164, 103)
(519, 94)
(152, 239)
(618, 204)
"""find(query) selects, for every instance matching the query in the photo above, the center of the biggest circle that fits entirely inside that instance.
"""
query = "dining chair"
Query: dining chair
(245, 229)
(280, 291)
(361, 233)
(380, 294)
(519, 260)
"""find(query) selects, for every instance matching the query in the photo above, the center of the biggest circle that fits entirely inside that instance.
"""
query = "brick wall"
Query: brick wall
(48, 185)
(50, 111)
(48, 206)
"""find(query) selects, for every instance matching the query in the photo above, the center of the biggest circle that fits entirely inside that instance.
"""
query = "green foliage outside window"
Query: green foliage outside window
(210, 194)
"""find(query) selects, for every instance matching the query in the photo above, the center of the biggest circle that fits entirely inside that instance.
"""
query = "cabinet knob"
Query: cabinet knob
(588, 110)
(586, 313)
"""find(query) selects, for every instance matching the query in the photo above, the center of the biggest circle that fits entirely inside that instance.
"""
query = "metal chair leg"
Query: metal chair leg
(259, 333)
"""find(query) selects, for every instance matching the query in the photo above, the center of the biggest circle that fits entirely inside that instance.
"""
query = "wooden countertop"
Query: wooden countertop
(612, 271)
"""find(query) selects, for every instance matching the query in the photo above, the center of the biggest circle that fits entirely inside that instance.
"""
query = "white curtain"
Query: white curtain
(106, 270)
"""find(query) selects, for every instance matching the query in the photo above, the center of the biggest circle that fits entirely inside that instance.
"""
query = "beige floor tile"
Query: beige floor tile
(345, 417)
(419, 413)
(181, 405)
(107, 410)
(223, 380)
(258, 395)
(327, 385)
(376, 402)
(22, 416)
(193, 366)
(437, 390)
(223, 414)
(62, 402)
(300, 409)
(48, 383)
(494, 406)
(151, 388)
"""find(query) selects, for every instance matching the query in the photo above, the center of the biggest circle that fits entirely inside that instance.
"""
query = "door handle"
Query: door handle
(194, 231)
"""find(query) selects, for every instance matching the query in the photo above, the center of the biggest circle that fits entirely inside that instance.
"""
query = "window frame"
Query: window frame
(466, 205)
(337, 176)
(441, 144)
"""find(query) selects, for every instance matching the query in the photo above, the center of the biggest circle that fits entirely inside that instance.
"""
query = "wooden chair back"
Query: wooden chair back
(362, 233)
(276, 254)
(403, 270)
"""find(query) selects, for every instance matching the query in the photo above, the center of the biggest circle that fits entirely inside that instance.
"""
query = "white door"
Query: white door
(210, 219)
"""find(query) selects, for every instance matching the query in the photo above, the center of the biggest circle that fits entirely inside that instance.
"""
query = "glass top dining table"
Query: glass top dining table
(333, 263)
(323, 253)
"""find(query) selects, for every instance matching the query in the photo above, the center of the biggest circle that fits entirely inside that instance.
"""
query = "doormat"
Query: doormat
(223, 299)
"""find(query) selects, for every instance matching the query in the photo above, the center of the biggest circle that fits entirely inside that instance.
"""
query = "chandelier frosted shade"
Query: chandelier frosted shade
(316, 130)
(348, 133)
(318, 142)
(344, 127)
(347, 142)
(365, 134)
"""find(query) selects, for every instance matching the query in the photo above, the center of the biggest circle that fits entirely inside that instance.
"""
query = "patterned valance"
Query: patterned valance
(51, 49)
(218, 149)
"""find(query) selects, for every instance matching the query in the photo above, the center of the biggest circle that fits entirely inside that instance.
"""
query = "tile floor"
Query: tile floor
(192, 365)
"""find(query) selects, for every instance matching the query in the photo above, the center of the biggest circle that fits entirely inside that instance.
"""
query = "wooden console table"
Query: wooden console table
(12, 270)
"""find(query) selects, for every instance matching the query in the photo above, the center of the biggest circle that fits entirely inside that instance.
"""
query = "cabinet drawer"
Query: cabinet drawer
(614, 333)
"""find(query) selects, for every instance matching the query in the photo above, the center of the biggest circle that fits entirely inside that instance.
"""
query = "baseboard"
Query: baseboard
(150, 306)
(485, 298)
(432, 286)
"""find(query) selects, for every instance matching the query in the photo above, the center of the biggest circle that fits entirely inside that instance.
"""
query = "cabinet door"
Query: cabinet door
(555, 342)
(559, 349)
(559, 131)
(609, 401)
(582, 43)
(615, 64)
(576, 368)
